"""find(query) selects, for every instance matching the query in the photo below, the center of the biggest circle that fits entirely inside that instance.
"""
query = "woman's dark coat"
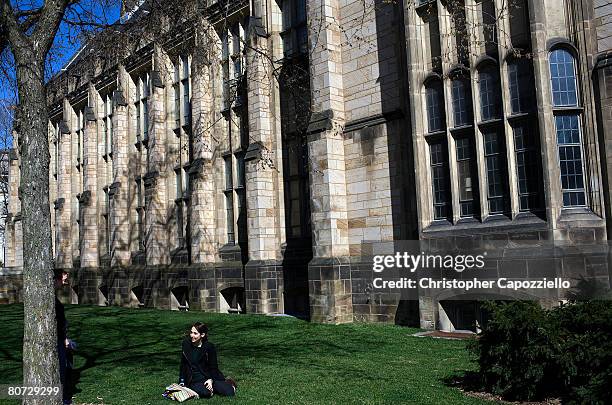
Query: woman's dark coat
(207, 365)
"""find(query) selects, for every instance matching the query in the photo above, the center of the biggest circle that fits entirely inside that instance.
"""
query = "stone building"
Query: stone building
(241, 166)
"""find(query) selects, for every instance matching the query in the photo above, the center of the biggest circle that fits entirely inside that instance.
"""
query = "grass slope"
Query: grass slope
(273, 359)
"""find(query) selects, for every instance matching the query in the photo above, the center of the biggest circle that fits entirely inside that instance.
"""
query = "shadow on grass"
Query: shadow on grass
(467, 381)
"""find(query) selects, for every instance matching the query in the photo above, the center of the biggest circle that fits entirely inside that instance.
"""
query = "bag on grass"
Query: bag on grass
(179, 393)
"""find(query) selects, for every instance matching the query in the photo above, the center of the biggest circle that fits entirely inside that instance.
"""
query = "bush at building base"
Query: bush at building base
(529, 353)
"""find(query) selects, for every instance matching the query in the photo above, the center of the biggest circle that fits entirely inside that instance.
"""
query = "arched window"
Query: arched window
(568, 126)
(462, 102)
(435, 106)
(563, 78)
(488, 87)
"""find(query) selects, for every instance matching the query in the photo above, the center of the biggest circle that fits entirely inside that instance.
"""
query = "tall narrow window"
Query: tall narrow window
(487, 18)
(496, 172)
(235, 111)
(142, 106)
(563, 78)
(145, 120)
(180, 193)
(467, 177)
(108, 124)
(185, 89)
(462, 102)
(183, 143)
(295, 177)
(78, 223)
(227, 98)
(236, 32)
(295, 32)
(459, 27)
(567, 121)
(57, 133)
(432, 27)
(232, 47)
(107, 221)
(527, 170)
(519, 33)
(176, 87)
(435, 107)
(488, 85)
(106, 173)
(229, 200)
(80, 130)
(570, 160)
(240, 191)
(440, 180)
(520, 83)
(140, 211)
(240, 172)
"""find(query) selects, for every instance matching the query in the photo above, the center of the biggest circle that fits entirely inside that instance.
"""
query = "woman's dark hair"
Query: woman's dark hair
(202, 328)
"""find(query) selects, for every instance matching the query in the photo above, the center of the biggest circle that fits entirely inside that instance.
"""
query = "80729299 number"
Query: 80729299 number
(21, 391)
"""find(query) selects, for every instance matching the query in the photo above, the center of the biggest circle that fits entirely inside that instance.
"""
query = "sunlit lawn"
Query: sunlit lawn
(128, 356)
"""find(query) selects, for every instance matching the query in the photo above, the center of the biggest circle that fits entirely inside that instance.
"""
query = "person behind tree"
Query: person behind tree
(199, 369)
(63, 343)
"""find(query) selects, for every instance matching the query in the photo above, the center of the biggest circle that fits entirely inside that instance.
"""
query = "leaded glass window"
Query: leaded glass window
(563, 78)
(570, 160)
(435, 107)
(467, 177)
(488, 85)
(295, 30)
(569, 142)
(440, 180)
(520, 84)
(496, 168)
(462, 103)
(527, 172)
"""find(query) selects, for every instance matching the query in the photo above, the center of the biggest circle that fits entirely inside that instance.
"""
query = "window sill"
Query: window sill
(567, 109)
(490, 123)
(579, 217)
(497, 218)
(434, 134)
(467, 220)
(230, 247)
(520, 116)
(527, 222)
(528, 215)
(440, 223)
(462, 128)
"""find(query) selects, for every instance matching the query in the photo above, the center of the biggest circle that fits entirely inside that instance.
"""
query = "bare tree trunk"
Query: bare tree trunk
(40, 358)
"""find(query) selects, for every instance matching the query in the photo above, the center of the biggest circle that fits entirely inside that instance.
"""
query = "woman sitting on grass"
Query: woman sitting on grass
(199, 369)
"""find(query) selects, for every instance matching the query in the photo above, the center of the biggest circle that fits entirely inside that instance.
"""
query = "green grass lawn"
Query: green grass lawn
(273, 359)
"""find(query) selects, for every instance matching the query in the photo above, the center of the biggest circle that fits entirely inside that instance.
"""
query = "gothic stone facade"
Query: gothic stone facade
(244, 171)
